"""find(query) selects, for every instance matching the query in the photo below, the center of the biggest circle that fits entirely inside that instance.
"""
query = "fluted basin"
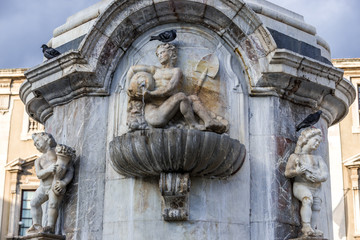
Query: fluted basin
(150, 152)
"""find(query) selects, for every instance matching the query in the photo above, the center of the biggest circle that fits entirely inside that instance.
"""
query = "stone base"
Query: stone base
(43, 236)
(309, 238)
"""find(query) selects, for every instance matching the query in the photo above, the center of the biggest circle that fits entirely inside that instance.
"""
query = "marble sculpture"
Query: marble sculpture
(55, 170)
(309, 171)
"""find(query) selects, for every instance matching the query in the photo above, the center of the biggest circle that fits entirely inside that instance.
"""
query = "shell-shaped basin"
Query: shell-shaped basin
(146, 153)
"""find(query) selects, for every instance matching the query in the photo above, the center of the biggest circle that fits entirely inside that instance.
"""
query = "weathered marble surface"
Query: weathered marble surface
(84, 125)
(280, 218)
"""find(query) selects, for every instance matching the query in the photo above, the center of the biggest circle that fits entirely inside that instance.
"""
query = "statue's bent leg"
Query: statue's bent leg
(53, 210)
(160, 116)
(306, 214)
(39, 198)
(316, 207)
(303, 193)
(200, 110)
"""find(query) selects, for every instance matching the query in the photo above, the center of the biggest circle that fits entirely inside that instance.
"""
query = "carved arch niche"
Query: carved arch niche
(88, 71)
(228, 29)
(234, 39)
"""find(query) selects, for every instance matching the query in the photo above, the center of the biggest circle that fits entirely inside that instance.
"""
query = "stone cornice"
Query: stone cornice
(308, 82)
(16, 165)
(350, 65)
(12, 73)
(10, 80)
(279, 72)
(353, 161)
(58, 81)
(291, 21)
(89, 70)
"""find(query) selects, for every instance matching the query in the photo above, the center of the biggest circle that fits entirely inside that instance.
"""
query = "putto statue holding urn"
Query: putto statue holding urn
(308, 171)
(55, 170)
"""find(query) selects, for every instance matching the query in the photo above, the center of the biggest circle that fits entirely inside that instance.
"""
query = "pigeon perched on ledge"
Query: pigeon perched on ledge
(309, 120)
(49, 52)
(165, 37)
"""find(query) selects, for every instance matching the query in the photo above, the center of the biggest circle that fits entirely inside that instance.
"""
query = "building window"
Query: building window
(25, 217)
(356, 106)
(30, 126)
(358, 91)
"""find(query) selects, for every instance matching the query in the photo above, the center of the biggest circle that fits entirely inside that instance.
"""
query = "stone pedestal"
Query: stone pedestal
(43, 236)
(175, 189)
(309, 238)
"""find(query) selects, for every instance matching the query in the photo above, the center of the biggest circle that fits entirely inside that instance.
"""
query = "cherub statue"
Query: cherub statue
(309, 171)
(55, 170)
(160, 90)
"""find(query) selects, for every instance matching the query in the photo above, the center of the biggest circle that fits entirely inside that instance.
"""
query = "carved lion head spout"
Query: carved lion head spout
(157, 99)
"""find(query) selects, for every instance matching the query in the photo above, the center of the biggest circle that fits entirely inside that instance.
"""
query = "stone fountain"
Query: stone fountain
(217, 106)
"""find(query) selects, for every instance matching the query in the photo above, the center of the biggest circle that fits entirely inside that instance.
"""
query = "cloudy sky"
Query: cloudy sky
(25, 25)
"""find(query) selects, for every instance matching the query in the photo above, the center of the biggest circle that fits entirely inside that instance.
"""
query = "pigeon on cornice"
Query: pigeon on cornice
(49, 52)
(309, 120)
(165, 37)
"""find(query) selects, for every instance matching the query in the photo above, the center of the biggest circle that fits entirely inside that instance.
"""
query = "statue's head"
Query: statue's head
(43, 141)
(309, 140)
(166, 53)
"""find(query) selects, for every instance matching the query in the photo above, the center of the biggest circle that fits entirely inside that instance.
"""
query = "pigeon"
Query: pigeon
(165, 37)
(309, 120)
(49, 52)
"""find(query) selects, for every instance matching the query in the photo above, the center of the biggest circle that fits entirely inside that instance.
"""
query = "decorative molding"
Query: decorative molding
(12, 73)
(353, 164)
(308, 82)
(353, 161)
(175, 188)
(68, 73)
(89, 70)
(16, 164)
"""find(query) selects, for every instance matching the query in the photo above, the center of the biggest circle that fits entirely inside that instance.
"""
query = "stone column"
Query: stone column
(356, 200)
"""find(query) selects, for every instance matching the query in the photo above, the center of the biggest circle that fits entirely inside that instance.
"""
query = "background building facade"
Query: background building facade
(344, 151)
(17, 154)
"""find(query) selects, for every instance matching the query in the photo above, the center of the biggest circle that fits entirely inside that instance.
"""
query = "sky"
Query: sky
(26, 24)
